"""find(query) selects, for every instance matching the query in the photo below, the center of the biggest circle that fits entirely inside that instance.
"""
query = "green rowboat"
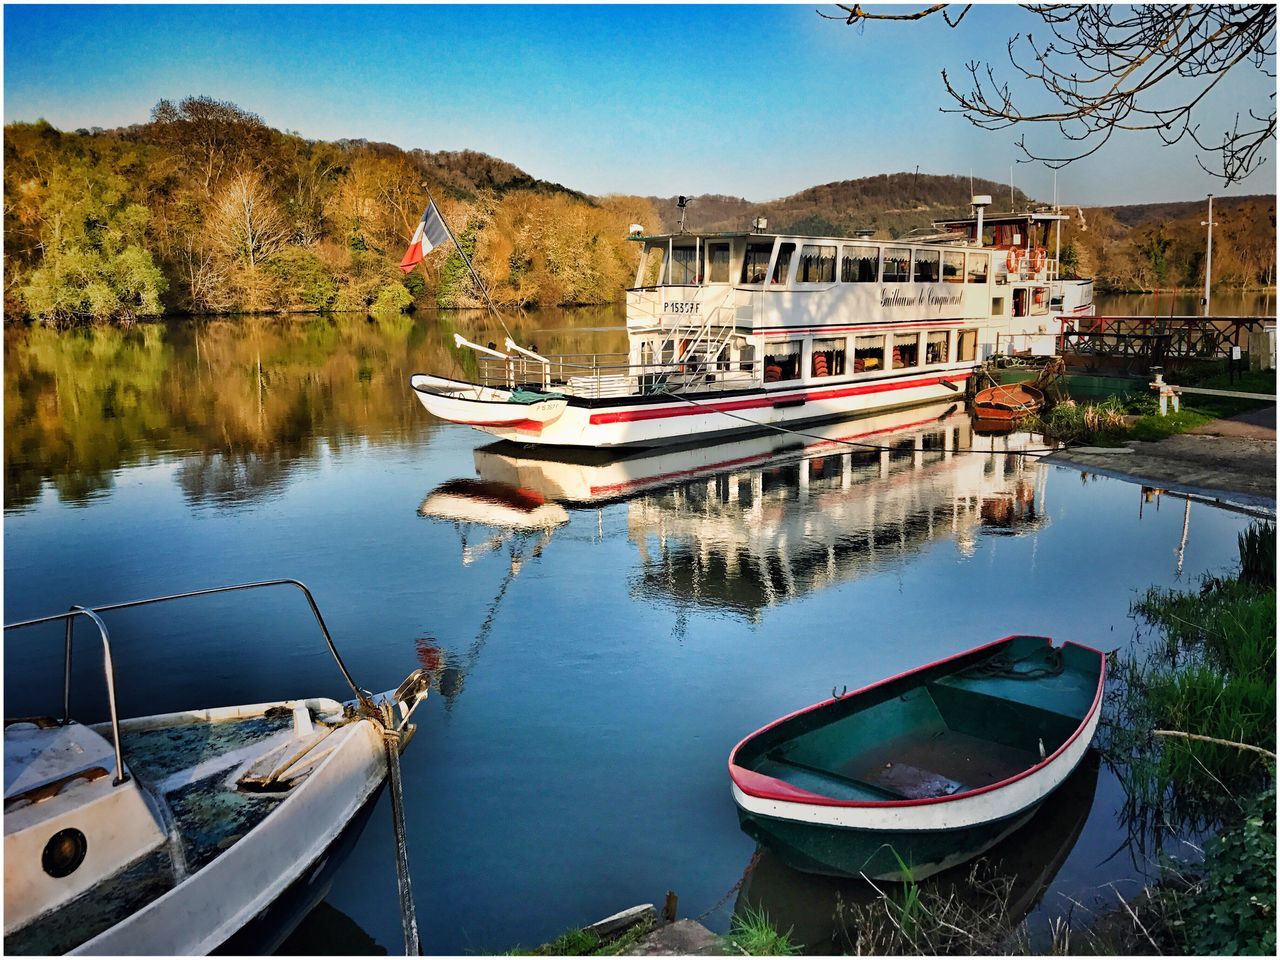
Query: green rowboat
(925, 770)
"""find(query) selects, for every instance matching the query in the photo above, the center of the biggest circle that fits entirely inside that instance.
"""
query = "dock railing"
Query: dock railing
(598, 375)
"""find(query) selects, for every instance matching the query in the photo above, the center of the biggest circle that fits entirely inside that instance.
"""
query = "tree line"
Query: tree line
(207, 209)
(1168, 250)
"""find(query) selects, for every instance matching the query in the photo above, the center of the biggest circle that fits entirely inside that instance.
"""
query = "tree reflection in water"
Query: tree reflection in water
(249, 399)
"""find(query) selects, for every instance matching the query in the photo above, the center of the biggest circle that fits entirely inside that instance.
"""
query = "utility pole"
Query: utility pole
(1208, 258)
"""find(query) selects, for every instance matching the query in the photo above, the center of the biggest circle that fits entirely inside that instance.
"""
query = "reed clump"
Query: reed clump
(1095, 424)
(1190, 730)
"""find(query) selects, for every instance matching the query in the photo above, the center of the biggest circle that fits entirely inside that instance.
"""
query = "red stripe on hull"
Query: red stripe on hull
(630, 416)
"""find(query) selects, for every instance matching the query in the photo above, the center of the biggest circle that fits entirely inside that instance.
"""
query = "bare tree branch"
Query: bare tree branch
(1131, 68)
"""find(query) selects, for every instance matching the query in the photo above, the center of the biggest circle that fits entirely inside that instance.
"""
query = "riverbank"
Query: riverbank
(1231, 459)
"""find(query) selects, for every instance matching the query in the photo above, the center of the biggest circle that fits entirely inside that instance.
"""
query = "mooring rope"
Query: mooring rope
(408, 913)
(755, 859)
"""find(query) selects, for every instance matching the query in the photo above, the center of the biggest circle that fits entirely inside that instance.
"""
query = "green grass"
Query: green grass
(571, 943)
(583, 943)
(753, 934)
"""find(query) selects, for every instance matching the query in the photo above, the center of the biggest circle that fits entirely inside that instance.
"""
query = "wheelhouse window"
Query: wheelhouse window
(906, 350)
(717, 263)
(935, 346)
(868, 354)
(755, 264)
(651, 271)
(828, 357)
(817, 264)
(859, 264)
(781, 361)
(897, 264)
(1039, 301)
(926, 266)
(684, 265)
(979, 267)
(966, 346)
(783, 266)
(952, 266)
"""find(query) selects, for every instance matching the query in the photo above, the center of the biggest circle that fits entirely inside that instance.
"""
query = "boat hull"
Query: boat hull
(1006, 403)
(878, 854)
(265, 933)
(920, 772)
(658, 421)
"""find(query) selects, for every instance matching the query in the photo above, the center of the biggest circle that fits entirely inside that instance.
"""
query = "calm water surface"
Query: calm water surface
(592, 673)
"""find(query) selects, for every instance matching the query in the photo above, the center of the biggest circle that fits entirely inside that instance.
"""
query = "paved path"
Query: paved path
(1251, 425)
(1232, 460)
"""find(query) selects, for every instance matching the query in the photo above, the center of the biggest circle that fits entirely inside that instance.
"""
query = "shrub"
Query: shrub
(302, 279)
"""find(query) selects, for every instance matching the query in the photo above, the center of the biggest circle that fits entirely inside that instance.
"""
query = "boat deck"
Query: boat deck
(187, 765)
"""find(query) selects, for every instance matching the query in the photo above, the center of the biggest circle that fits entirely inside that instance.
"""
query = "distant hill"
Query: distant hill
(1135, 215)
(890, 204)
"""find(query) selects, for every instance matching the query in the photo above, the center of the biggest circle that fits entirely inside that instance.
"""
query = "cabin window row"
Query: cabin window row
(835, 356)
(816, 263)
(858, 263)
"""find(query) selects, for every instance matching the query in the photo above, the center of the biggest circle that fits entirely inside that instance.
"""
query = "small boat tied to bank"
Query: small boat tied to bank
(918, 773)
(182, 833)
(1007, 402)
(740, 332)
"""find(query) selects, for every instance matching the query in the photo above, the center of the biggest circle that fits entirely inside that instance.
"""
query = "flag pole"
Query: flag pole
(467, 260)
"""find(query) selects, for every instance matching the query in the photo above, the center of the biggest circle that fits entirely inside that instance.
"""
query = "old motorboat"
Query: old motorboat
(925, 770)
(1007, 402)
(181, 833)
(730, 333)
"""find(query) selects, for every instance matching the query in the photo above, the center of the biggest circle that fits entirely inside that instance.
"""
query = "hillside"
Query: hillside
(890, 204)
(207, 209)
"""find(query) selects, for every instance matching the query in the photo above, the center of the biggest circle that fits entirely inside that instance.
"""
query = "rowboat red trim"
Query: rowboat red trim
(754, 458)
(770, 788)
(650, 413)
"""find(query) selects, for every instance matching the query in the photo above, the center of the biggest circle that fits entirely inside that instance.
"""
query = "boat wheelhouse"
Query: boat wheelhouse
(744, 331)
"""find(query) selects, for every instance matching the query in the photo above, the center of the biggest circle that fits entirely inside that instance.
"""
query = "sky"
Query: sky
(753, 101)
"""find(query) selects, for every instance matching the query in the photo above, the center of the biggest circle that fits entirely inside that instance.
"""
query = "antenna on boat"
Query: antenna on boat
(682, 203)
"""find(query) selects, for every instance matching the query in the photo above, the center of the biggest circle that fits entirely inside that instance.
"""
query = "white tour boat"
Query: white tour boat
(182, 833)
(733, 332)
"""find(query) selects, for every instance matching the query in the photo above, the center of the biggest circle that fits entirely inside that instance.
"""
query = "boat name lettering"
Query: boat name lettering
(929, 296)
(681, 306)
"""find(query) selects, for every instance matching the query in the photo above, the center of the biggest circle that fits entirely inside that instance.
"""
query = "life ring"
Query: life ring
(1038, 258)
(1011, 262)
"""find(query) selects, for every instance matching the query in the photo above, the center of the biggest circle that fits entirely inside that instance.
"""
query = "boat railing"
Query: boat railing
(94, 614)
(598, 375)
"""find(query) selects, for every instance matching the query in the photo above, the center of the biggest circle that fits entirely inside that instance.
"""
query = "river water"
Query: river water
(592, 673)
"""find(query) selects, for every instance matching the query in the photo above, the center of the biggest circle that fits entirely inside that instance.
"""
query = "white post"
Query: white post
(1208, 258)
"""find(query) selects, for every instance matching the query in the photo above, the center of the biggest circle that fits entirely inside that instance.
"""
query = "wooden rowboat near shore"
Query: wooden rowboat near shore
(1008, 402)
(925, 770)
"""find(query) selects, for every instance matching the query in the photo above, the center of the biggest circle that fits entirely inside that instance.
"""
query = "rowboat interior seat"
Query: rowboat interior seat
(961, 729)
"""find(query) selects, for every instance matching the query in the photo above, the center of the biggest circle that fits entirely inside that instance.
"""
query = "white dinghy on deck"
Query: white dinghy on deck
(185, 832)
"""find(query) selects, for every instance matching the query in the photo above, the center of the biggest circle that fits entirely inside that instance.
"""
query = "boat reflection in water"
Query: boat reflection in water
(521, 520)
(1020, 868)
(749, 524)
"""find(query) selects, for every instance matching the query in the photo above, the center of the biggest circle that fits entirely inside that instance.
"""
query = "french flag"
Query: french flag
(431, 232)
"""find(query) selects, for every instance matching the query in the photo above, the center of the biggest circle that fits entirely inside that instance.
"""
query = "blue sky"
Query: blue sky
(756, 101)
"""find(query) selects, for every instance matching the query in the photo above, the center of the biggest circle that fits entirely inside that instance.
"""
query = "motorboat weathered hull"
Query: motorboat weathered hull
(1007, 403)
